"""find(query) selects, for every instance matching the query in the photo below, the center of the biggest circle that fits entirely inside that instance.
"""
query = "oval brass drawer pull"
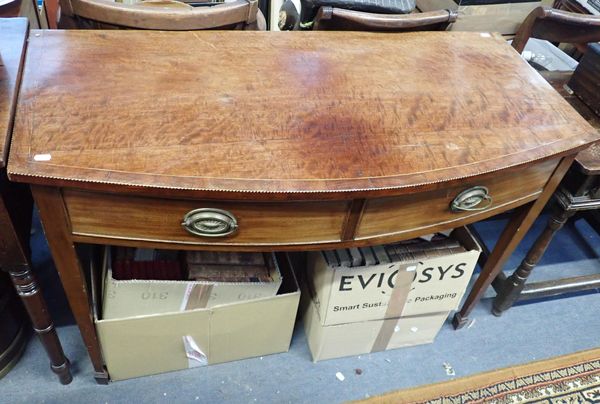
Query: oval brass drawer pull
(472, 199)
(208, 222)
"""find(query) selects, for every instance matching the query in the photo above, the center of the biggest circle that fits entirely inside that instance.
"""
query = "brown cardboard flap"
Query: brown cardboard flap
(198, 298)
(146, 345)
(318, 279)
(395, 307)
(254, 329)
(312, 325)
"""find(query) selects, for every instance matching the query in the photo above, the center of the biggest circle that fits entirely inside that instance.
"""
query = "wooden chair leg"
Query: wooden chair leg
(514, 284)
(31, 295)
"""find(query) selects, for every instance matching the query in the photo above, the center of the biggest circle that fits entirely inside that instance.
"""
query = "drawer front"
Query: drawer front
(397, 215)
(160, 220)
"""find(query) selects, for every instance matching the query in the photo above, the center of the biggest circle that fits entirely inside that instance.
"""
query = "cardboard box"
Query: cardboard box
(145, 345)
(335, 341)
(141, 297)
(505, 18)
(344, 295)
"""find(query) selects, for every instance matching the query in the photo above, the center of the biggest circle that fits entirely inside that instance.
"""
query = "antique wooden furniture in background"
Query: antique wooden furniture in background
(310, 8)
(580, 190)
(16, 203)
(357, 140)
(359, 15)
(339, 19)
(50, 13)
(586, 78)
(165, 15)
(578, 6)
(23, 8)
(13, 326)
(558, 26)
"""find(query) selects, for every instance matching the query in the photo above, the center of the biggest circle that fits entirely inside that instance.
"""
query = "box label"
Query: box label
(363, 293)
(349, 294)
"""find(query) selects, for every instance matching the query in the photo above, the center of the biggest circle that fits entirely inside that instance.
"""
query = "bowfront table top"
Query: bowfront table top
(327, 113)
(13, 33)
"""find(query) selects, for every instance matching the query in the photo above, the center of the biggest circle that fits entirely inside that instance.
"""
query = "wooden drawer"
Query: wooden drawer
(421, 213)
(159, 220)
(280, 224)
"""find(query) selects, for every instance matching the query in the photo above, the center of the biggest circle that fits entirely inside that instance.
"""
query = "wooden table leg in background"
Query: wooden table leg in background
(511, 236)
(31, 295)
(513, 286)
(57, 229)
(15, 225)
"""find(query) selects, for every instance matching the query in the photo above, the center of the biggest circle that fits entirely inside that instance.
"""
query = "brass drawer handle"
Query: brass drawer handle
(471, 200)
(208, 222)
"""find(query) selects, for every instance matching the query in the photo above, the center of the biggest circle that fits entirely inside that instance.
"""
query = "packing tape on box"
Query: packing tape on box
(402, 288)
(196, 296)
(196, 357)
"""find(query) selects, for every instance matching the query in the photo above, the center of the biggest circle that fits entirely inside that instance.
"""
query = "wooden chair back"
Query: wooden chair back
(167, 15)
(10, 8)
(339, 19)
(558, 26)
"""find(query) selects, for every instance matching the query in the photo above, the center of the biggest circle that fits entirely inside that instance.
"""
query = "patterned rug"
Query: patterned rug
(568, 379)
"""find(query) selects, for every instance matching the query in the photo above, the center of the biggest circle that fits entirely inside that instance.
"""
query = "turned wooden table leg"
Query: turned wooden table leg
(31, 295)
(15, 223)
(511, 236)
(57, 229)
(514, 284)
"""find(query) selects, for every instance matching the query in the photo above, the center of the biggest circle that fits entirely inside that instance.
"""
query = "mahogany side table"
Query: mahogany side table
(16, 203)
(258, 141)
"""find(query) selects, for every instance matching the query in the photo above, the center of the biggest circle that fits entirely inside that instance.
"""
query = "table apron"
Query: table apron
(112, 218)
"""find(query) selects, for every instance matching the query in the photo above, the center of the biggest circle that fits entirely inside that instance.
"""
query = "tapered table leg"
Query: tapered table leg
(31, 295)
(514, 284)
(511, 236)
(56, 227)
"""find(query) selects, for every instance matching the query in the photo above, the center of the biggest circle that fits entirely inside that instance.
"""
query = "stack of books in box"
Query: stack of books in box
(376, 298)
(148, 281)
(228, 267)
(165, 311)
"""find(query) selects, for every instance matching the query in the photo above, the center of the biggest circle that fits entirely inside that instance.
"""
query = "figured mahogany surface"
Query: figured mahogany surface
(299, 114)
(13, 33)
